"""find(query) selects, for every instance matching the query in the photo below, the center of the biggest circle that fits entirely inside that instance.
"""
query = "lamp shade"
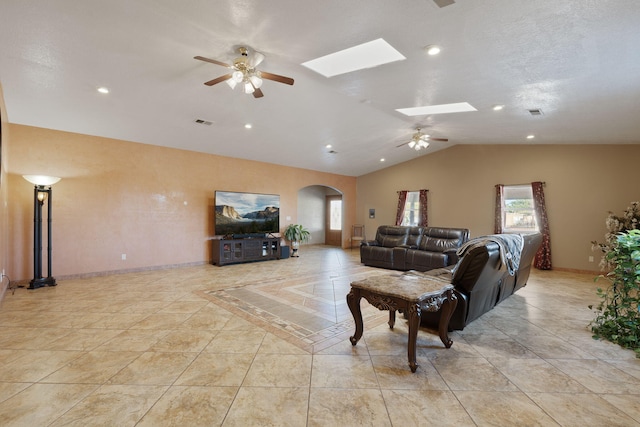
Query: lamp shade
(41, 179)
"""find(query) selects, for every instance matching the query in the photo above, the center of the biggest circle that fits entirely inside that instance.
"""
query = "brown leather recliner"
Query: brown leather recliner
(530, 247)
(380, 252)
(480, 283)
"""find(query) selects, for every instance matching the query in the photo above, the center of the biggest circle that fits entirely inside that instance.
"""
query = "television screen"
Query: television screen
(246, 213)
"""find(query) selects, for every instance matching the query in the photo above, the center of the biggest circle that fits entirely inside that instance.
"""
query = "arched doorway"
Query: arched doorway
(315, 206)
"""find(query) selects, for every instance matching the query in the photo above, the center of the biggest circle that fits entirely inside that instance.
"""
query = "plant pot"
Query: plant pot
(294, 247)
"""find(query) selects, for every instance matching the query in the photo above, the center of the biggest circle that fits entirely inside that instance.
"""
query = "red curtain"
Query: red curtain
(402, 199)
(542, 260)
(424, 217)
(497, 227)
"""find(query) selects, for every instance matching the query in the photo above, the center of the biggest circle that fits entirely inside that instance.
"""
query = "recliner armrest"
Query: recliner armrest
(452, 256)
(369, 243)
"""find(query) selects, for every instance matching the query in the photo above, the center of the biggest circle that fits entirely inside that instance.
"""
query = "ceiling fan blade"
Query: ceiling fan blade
(404, 143)
(276, 78)
(258, 93)
(256, 59)
(443, 3)
(218, 80)
(213, 61)
(439, 139)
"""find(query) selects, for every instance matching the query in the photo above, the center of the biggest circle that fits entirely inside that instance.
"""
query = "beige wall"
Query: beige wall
(120, 197)
(153, 204)
(583, 183)
(4, 215)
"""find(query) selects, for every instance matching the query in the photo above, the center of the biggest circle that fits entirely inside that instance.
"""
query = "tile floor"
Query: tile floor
(150, 349)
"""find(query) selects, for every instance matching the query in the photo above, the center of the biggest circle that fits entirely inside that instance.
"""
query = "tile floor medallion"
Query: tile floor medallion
(310, 311)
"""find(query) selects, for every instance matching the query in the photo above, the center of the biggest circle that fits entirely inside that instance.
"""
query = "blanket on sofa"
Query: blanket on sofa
(510, 249)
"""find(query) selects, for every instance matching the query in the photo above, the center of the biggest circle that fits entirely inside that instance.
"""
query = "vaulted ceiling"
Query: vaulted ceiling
(577, 61)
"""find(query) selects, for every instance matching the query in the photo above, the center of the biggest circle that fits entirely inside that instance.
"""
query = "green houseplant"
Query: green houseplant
(296, 234)
(618, 318)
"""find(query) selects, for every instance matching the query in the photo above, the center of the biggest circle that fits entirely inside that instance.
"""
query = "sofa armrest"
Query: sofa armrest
(369, 243)
(452, 256)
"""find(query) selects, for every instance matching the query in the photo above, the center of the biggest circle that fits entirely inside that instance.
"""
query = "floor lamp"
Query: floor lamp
(41, 194)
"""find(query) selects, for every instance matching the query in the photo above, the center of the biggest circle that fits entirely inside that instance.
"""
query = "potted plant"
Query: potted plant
(296, 234)
(618, 313)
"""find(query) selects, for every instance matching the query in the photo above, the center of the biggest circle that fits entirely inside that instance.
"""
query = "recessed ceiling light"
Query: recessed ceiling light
(432, 49)
(103, 89)
(530, 136)
(498, 107)
(366, 55)
(248, 126)
(382, 159)
(328, 146)
(459, 107)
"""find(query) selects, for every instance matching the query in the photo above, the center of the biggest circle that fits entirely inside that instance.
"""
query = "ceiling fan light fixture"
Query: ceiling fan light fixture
(243, 72)
(257, 81)
(238, 76)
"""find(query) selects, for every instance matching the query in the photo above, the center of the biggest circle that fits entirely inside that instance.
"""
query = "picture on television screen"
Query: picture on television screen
(246, 213)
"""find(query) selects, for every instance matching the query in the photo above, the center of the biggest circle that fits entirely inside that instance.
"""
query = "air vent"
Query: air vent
(535, 112)
(203, 122)
(333, 152)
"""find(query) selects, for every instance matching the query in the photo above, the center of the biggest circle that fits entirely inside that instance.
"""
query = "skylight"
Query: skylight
(366, 55)
(458, 107)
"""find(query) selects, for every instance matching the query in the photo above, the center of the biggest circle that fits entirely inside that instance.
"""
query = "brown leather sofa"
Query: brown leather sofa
(413, 248)
(480, 283)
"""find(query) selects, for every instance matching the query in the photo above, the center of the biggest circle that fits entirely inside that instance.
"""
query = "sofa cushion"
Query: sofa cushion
(377, 256)
(390, 236)
(415, 234)
(436, 239)
(425, 260)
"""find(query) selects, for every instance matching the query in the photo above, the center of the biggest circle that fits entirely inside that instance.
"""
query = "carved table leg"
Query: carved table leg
(392, 318)
(447, 310)
(353, 301)
(414, 323)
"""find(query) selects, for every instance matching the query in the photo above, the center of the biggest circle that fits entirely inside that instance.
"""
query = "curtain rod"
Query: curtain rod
(526, 183)
(412, 191)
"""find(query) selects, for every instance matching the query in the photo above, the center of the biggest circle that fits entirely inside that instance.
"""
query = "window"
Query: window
(411, 209)
(335, 216)
(518, 215)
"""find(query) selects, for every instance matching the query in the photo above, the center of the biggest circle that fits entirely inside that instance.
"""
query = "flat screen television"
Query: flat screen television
(246, 214)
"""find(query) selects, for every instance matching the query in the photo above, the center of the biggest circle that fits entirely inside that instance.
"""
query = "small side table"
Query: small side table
(409, 292)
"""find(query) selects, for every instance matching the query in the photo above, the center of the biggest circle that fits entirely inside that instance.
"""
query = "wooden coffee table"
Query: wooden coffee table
(410, 293)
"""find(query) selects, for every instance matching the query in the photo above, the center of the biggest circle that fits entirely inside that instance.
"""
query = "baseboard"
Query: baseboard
(574, 270)
(123, 271)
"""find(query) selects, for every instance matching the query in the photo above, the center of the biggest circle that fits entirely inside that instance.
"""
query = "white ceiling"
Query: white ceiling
(576, 60)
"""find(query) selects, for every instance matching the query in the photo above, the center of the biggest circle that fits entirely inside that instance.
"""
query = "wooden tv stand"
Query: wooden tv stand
(233, 251)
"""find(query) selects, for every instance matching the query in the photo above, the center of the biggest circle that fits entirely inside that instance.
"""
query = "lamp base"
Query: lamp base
(41, 282)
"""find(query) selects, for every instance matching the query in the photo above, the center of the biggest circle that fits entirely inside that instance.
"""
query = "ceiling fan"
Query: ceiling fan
(420, 140)
(243, 72)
